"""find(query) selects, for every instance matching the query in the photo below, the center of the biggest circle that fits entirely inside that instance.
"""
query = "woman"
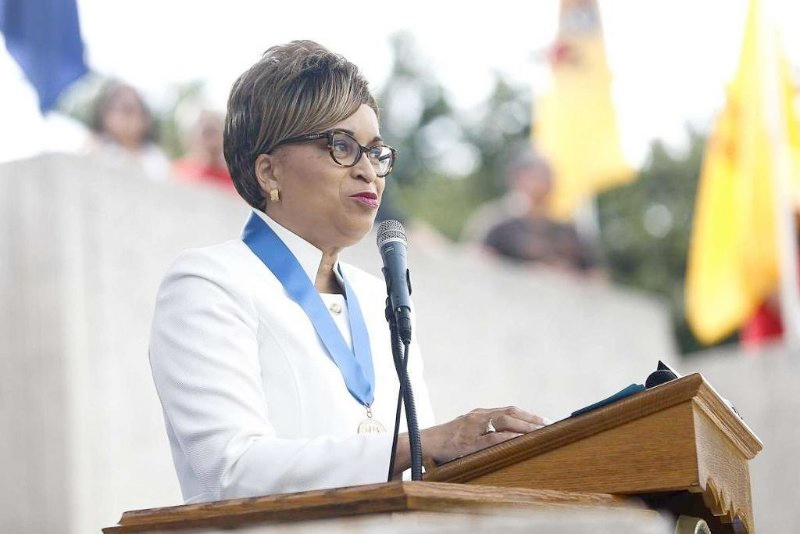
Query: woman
(204, 161)
(124, 131)
(269, 355)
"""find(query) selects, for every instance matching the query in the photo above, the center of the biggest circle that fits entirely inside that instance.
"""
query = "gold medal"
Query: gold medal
(370, 425)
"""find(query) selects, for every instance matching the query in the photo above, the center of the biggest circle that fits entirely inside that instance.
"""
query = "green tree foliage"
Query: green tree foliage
(448, 162)
(646, 226)
(172, 134)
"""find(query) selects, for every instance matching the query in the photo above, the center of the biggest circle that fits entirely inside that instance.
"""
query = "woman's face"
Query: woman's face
(125, 119)
(328, 205)
(207, 134)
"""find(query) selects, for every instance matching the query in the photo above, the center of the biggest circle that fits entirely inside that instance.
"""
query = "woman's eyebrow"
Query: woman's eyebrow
(376, 139)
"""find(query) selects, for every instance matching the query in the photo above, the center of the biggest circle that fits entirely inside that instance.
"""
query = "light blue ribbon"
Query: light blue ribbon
(356, 364)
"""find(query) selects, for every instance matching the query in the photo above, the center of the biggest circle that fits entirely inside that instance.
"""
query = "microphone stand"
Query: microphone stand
(405, 397)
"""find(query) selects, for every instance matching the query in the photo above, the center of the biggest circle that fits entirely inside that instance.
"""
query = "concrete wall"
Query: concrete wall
(82, 250)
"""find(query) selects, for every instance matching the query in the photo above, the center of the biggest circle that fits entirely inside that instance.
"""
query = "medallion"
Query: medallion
(370, 425)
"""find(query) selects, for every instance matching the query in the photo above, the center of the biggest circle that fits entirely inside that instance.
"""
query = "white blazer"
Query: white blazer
(252, 401)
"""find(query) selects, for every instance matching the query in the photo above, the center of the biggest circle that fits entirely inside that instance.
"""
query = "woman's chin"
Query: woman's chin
(357, 232)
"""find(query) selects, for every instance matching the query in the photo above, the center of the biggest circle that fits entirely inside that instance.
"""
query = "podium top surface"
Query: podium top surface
(690, 388)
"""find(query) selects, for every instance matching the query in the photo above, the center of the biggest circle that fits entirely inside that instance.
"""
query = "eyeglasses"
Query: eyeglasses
(346, 151)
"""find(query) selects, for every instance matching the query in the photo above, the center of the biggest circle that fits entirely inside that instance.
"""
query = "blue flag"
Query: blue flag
(44, 37)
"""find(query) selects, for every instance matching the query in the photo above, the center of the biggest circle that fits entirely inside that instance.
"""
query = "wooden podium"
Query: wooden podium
(404, 498)
(677, 446)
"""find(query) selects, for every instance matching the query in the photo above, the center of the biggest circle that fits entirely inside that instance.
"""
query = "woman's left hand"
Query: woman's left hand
(477, 430)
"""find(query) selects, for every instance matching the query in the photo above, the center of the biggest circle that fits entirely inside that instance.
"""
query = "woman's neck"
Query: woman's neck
(326, 281)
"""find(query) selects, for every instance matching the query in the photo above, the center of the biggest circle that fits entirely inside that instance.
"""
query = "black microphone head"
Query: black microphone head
(391, 230)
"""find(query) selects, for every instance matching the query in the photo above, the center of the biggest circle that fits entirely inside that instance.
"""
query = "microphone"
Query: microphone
(392, 244)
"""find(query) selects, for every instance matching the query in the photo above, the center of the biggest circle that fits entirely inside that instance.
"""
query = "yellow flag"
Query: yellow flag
(733, 262)
(575, 126)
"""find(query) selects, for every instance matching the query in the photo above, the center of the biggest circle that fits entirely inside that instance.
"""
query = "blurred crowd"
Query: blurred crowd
(124, 132)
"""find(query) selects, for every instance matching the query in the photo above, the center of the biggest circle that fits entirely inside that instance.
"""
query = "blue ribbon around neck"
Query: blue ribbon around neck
(356, 364)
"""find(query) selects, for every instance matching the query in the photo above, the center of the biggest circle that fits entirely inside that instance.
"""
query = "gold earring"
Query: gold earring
(274, 195)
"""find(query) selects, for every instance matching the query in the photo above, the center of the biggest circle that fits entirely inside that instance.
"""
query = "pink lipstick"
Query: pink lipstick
(367, 199)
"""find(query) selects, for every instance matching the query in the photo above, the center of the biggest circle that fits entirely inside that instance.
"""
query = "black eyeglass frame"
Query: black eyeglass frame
(328, 134)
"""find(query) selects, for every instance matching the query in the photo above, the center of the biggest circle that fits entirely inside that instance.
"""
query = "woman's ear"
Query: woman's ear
(265, 169)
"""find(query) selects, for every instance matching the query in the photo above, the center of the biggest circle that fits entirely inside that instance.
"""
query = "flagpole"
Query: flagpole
(788, 257)
(786, 227)
(789, 288)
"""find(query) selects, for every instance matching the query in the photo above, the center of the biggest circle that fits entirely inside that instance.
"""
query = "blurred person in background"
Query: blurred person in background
(124, 131)
(272, 358)
(523, 229)
(204, 161)
(521, 182)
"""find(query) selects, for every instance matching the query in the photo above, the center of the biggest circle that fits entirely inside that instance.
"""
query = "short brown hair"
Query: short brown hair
(294, 89)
